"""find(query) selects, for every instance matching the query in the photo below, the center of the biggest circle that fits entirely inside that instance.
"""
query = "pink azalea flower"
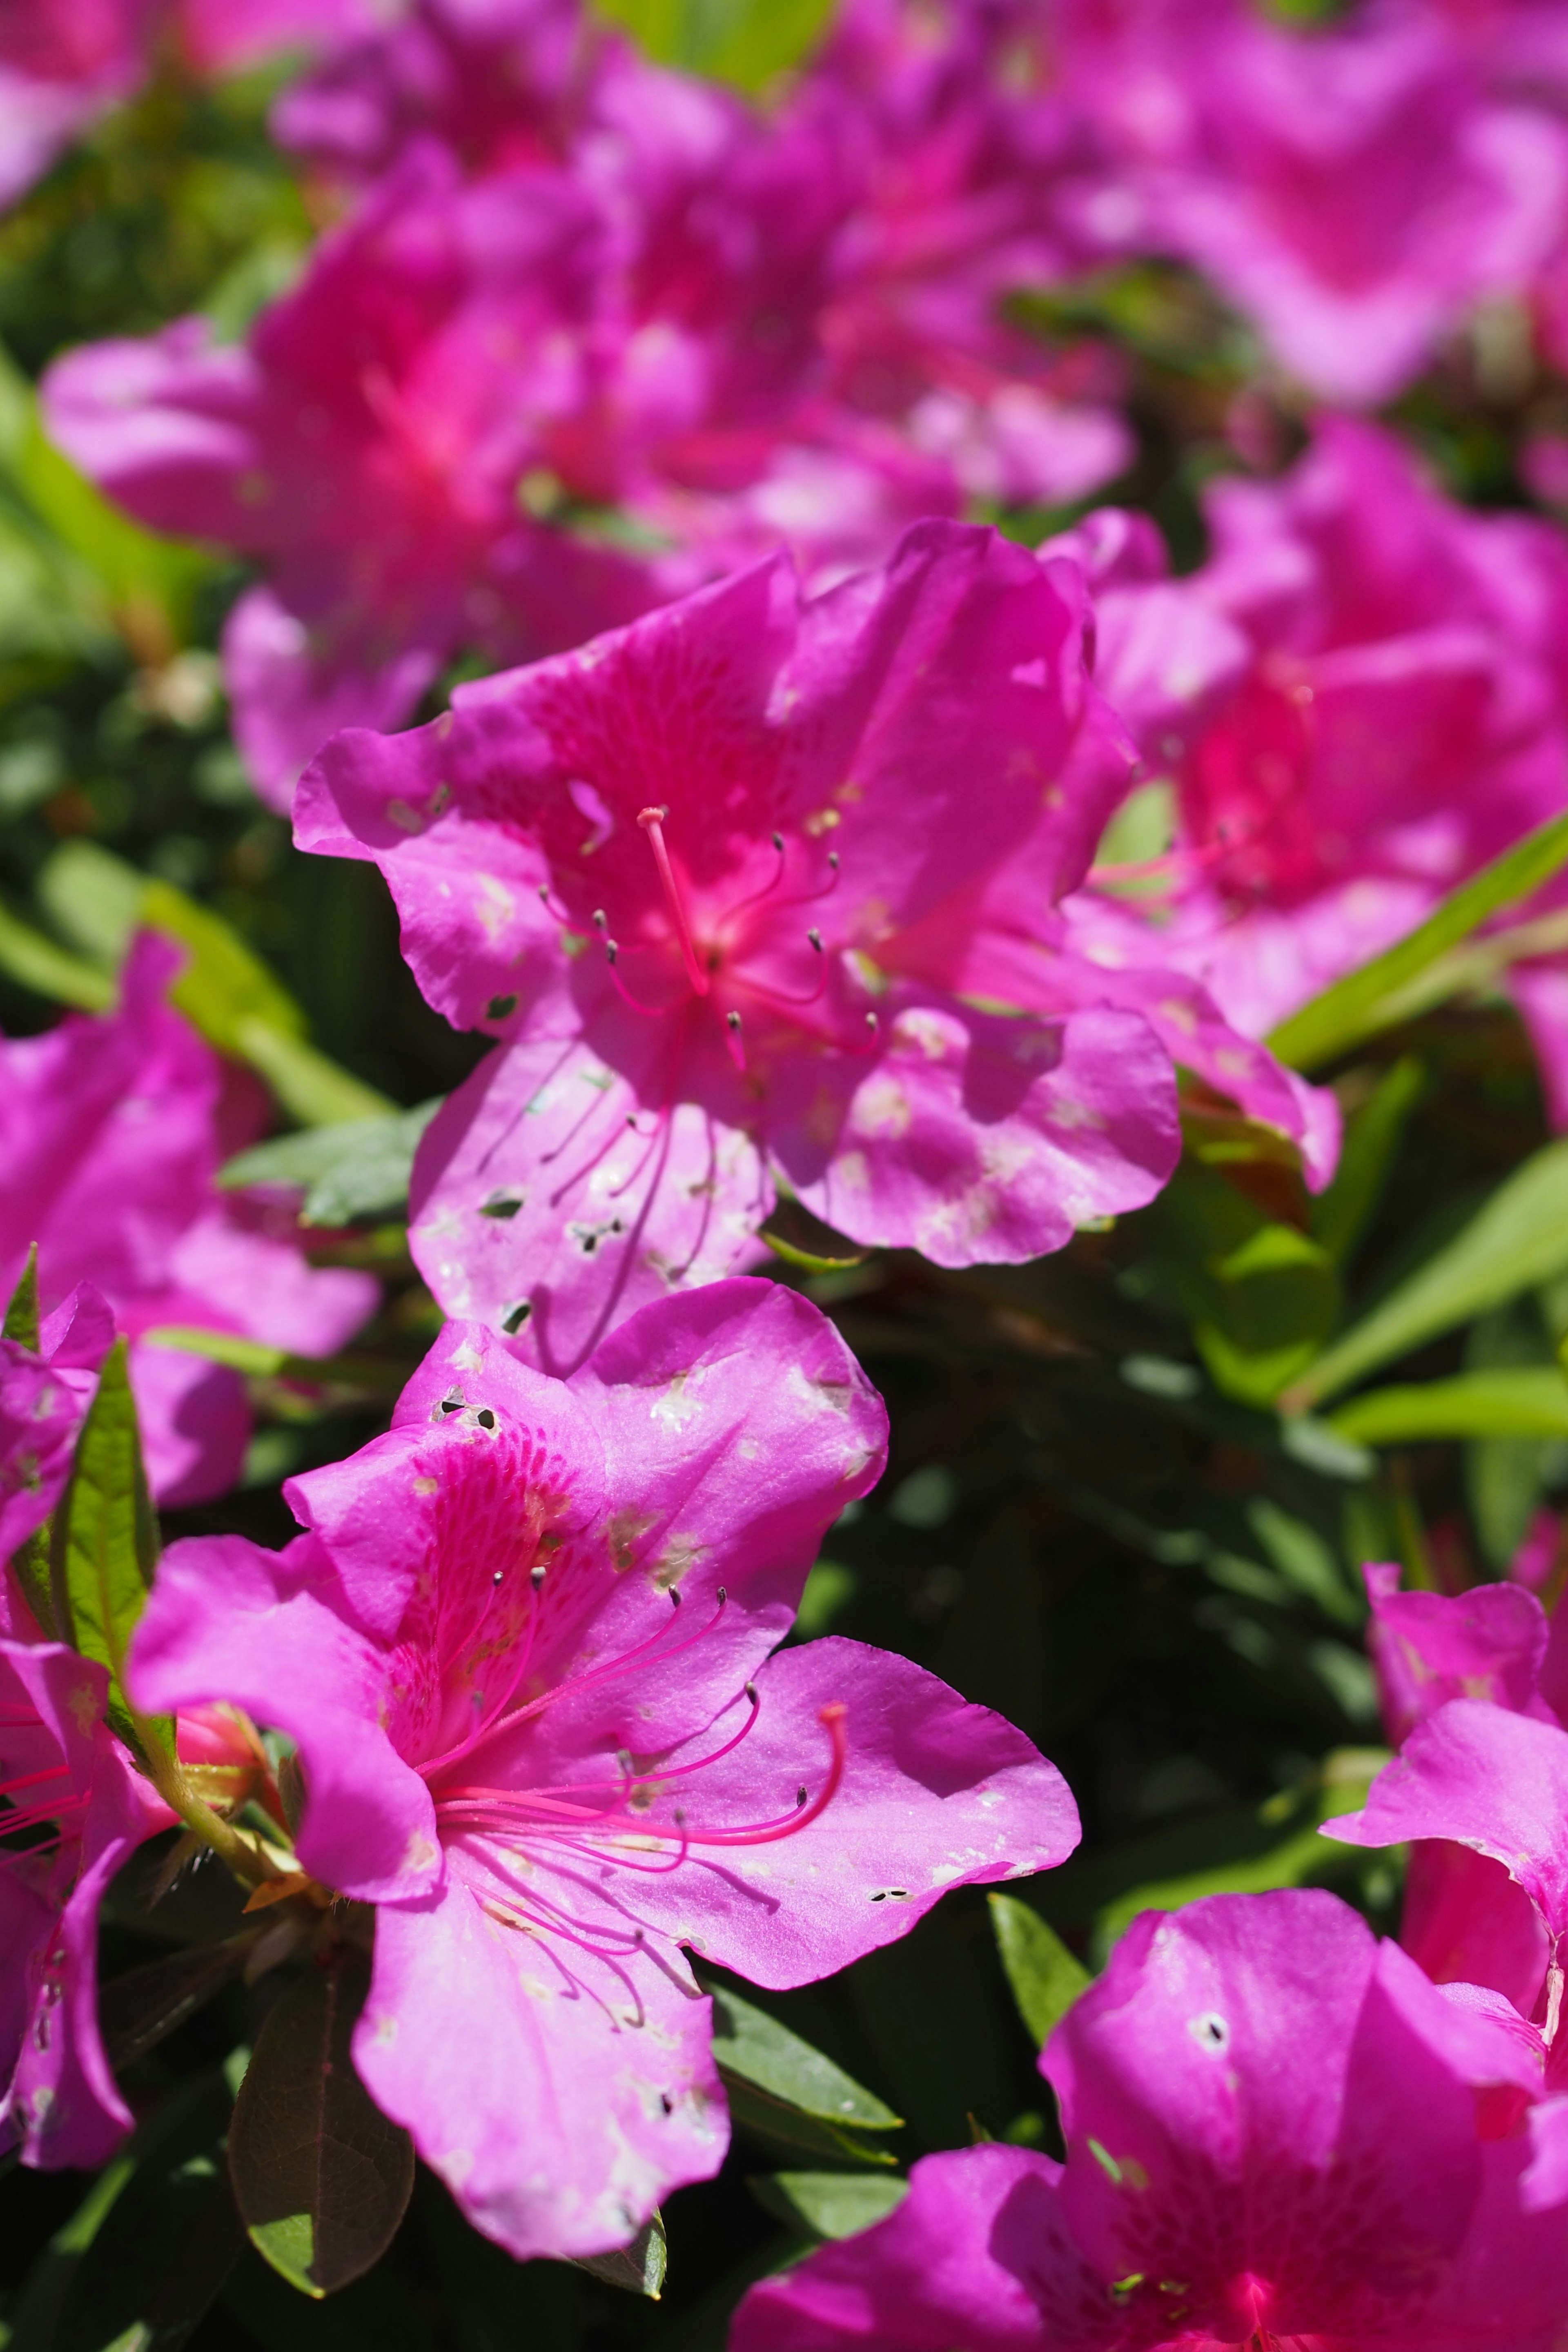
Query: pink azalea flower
(65, 1775)
(224, 36)
(43, 1398)
(524, 1650)
(686, 871)
(62, 63)
(1278, 2133)
(1354, 189)
(1360, 698)
(110, 1138)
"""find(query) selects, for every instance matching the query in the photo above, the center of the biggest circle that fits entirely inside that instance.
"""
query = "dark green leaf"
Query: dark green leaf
(1045, 1976)
(750, 2049)
(1341, 1213)
(137, 2008)
(104, 1546)
(640, 2268)
(785, 2127)
(149, 2250)
(321, 2177)
(829, 2204)
(1380, 993)
(357, 1168)
(1518, 1239)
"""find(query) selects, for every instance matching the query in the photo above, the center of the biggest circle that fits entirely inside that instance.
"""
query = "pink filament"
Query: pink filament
(652, 822)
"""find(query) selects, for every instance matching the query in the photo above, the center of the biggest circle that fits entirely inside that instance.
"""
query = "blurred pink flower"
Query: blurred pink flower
(62, 63)
(1278, 2132)
(707, 878)
(71, 1787)
(1353, 189)
(110, 1132)
(524, 1650)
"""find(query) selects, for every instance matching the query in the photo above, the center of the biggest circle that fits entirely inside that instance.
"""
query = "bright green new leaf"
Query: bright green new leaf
(829, 2204)
(254, 1357)
(356, 1168)
(743, 42)
(1045, 1976)
(640, 2268)
(1517, 1240)
(1512, 1400)
(321, 2177)
(33, 960)
(1376, 996)
(104, 1544)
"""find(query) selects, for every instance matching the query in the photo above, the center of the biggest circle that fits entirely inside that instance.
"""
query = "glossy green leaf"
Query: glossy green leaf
(829, 2204)
(640, 2268)
(105, 1543)
(1379, 993)
(321, 2176)
(744, 42)
(752, 2049)
(1521, 1401)
(1517, 1240)
(148, 2251)
(357, 1168)
(1045, 1975)
(22, 1318)
(1261, 1295)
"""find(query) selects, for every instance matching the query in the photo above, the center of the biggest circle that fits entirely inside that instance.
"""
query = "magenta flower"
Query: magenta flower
(1278, 2133)
(110, 1138)
(62, 63)
(69, 1785)
(684, 872)
(1354, 189)
(43, 1398)
(1361, 699)
(524, 1650)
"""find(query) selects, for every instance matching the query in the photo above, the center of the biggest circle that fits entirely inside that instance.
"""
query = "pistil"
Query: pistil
(652, 823)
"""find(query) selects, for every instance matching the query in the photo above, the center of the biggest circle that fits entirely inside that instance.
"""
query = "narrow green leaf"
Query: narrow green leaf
(148, 2251)
(311, 1087)
(1045, 1976)
(782, 2127)
(1343, 1210)
(640, 2268)
(1370, 999)
(356, 1168)
(104, 1545)
(1517, 1240)
(22, 1318)
(829, 2204)
(752, 2048)
(1518, 1400)
(252, 1357)
(808, 1264)
(27, 956)
(321, 2177)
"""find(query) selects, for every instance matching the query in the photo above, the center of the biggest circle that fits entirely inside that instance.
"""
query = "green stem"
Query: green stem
(242, 1854)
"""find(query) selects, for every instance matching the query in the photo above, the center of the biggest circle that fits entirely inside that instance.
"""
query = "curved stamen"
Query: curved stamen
(559, 914)
(755, 897)
(652, 823)
(612, 957)
(833, 1718)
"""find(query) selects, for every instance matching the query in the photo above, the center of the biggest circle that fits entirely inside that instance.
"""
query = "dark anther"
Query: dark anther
(778, 842)
(801, 1794)
(536, 1575)
(600, 918)
(498, 1577)
(723, 1596)
(611, 951)
(871, 1021)
(751, 1693)
(666, 2103)
(735, 1021)
(485, 1417)
(833, 860)
(815, 935)
(679, 1818)
(674, 1597)
(512, 1321)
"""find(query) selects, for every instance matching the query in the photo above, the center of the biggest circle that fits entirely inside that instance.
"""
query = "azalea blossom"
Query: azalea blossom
(44, 1394)
(683, 873)
(524, 1651)
(1354, 189)
(1359, 700)
(112, 1131)
(1277, 2134)
(73, 1790)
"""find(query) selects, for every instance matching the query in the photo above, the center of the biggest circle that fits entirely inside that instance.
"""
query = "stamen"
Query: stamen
(652, 822)
(815, 935)
(736, 1045)
(558, 914)
(833, 1718)
(653, 1011)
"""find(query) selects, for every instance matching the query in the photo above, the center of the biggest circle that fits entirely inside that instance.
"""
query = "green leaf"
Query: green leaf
(254, 1357)
(1343, 1210)
(829, 2204)
(752, 2051)
(321, 2177)
(1517, 1240)
(104, 1546)
(640, 2268)
(1520, 1401)
(138, 2007)
(1379, 993)
(357, 1168)
(148, 2251)
(1305, 1560)
(1261, 1295)
(744, 42)
(22, 1318)
(1045, 1976)
(28, 957)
